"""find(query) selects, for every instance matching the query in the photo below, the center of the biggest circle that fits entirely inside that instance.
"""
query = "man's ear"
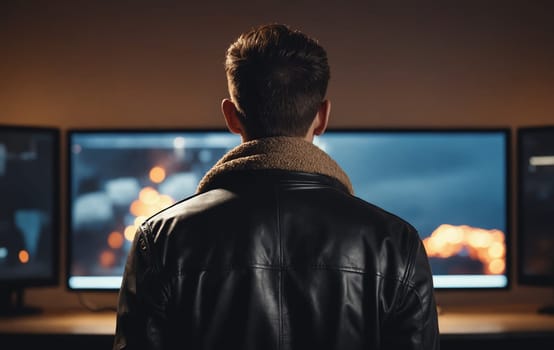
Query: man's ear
(321, 119)
(231, 115)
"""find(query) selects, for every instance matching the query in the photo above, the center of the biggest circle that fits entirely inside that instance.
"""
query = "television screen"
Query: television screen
(118, 179)
(451, 185)
(29, 210)
(536, 206)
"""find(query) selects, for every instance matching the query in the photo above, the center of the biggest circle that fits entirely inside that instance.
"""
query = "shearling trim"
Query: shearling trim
(283, 153)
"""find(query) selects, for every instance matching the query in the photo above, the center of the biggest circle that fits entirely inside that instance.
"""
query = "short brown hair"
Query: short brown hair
(277, 79)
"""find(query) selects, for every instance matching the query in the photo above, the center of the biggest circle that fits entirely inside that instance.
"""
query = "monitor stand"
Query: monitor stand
(11, 303)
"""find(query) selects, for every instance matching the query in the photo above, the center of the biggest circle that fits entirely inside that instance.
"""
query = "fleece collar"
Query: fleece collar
(276, 153)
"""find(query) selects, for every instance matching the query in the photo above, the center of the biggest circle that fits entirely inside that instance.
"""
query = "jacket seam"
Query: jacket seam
(280, 270)
(183, 271)
(414, 290)
(410, 262)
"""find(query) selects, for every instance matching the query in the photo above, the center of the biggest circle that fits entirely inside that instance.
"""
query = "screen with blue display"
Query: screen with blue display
(450, 184)
(118, 179)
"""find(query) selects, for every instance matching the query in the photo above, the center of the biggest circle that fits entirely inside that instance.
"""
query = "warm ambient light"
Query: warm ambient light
(129, 232)
(139, 220)
(487, 246)
(148, 196)
(107, 259)
(23, 256)
(157, 174)
(149, 203)
(115, 240)
(497, 266)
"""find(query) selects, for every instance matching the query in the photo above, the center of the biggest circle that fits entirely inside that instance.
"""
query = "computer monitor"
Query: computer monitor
(29, 213)
(535, 213)
(117, 179)
(451, 184)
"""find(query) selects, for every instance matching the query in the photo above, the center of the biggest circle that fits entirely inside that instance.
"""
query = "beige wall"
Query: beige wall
(159, 64)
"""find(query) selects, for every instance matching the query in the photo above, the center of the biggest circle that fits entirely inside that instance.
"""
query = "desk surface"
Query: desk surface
(451, 322)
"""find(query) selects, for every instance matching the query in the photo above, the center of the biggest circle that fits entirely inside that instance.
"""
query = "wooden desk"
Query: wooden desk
(72, 322)
(459, 329)
(495, 323)
(507, 327)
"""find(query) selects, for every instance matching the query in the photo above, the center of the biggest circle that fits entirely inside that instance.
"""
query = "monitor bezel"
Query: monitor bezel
(523, 278)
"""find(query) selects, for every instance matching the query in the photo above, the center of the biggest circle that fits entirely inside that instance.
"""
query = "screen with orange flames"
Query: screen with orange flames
(451, 185)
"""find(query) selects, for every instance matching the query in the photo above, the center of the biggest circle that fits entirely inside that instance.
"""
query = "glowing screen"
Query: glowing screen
(451, 185)
(29, 206)
(536, 206)
(117, 180)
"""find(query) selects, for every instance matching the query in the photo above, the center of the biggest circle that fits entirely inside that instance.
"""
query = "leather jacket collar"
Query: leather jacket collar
(288, 154)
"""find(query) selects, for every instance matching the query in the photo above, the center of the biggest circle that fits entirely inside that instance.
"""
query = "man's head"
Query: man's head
(277, 79)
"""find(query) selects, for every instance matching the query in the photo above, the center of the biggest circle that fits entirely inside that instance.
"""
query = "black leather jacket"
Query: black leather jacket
(276, 260)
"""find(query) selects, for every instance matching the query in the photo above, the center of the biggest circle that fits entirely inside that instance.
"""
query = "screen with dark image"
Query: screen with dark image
(451, 185)
(536, 206)
(118, 179)
(29, 210)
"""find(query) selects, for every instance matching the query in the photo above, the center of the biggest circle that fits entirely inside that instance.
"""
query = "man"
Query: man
(274, 251)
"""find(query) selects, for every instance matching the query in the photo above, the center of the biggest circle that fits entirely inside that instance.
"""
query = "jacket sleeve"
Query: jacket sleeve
(140, 315)
(413, 323)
